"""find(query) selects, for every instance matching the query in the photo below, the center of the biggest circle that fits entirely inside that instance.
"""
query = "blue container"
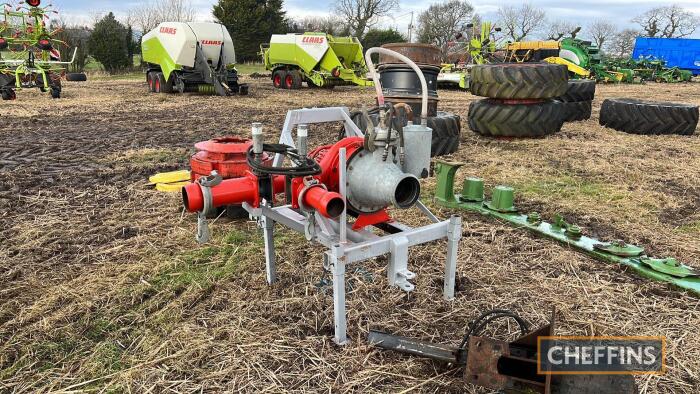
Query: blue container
(677, 52)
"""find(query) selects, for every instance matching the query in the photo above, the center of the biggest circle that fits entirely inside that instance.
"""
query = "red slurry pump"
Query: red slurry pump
(314, 192)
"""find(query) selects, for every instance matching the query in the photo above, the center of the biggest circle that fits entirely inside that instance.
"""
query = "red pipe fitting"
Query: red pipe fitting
(234, 191)
(328, 204)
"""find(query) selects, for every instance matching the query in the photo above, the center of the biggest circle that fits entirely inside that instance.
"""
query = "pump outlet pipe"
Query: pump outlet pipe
(408, 62)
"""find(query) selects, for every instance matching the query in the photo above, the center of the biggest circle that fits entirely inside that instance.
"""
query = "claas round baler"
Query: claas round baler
(319, 59)
(191, 57)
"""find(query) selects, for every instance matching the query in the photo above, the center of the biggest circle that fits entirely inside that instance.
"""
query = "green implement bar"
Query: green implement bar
(501, 207)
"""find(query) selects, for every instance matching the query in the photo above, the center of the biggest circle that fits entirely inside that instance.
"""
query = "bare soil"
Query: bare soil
(102, 287)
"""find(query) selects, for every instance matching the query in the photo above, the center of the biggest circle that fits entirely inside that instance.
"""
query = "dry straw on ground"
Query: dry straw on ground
(102, 287)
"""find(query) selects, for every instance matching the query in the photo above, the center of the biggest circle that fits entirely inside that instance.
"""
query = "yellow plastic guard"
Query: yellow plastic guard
(574, 68)
(171, 187)
(170, 177)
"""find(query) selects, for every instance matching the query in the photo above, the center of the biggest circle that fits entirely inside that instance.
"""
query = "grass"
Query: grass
(250, 68)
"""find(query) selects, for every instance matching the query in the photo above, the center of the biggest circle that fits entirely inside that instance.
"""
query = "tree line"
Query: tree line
(114, 42)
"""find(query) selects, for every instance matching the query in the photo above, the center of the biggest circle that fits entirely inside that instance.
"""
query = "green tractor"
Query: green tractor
(481, 45)
(29, 57)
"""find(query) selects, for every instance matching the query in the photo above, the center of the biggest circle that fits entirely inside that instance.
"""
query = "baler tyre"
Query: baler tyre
(76, 77)
(292, 80)
(157, 82)
(649, 118)
(166, 85)
(579, 90)
(447, 129)
(278, 79)
(519, 81)
(236, 212)
(151, 78)
(493, 118)
(576, 111)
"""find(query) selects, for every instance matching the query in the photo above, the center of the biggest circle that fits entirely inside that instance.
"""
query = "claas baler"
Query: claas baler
(319, 59)
(191, 57)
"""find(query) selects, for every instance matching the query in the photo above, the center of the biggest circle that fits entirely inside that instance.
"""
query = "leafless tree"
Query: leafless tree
(153, 12)
(363, 14)
(622, 43)
(330, 24)
(670, 22)
(556, 29)
(602, 31)
(519, 22)
(440, 23)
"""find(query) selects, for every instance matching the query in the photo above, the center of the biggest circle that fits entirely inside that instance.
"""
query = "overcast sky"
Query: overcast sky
(584, 11)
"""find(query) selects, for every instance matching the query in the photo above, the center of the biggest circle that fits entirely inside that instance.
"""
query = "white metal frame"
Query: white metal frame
(345, 245)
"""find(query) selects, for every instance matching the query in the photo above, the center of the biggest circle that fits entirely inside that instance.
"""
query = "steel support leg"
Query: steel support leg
(270, 268)
(454, 234)
(397, 272)
(337, 262)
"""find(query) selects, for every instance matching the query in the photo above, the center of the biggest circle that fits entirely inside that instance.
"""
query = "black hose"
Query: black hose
(482, 321)
(304, 166)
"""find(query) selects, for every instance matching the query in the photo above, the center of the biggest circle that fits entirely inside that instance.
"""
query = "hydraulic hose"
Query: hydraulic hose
(410, 63)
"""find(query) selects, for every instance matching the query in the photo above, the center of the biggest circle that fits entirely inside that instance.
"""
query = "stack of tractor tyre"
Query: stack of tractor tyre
(400, 84)
(520, 99)
(577, 102)
(649, 118)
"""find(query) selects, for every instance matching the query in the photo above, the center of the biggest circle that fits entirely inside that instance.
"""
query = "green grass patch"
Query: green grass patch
(570, 187)
(692, 227)
(250, 68)
(148, 156)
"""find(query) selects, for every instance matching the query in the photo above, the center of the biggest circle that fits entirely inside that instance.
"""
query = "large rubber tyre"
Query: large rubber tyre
(447, 128)
(9, 94)
(278, 79)
(493, 118)
(293, 80)
(76, 77)
(166, 85)
(579, 90)
(151, 79)
(519, 81)
(576, 111)
(643, 117)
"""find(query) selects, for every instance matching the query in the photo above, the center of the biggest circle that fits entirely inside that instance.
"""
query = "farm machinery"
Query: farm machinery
(315, 191)
(29, 57)
(480, 45)
(319, 59)
(191, 57)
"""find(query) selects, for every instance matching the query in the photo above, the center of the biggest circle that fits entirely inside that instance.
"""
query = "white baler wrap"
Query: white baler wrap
(180, 41)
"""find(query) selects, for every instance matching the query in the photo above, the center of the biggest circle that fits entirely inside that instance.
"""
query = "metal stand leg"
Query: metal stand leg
(454, 234)
(337, 260)
(397, 272)
(269, 229)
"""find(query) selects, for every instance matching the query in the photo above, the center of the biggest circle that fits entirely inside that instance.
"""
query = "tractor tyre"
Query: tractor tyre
(576, 111)
(579, 90)
(76, 77)
(166, 85)
(278, 79)
(649, 118)
(519, 81)
(446, 128)
(493, 118)
(9, 94)
(293, 80)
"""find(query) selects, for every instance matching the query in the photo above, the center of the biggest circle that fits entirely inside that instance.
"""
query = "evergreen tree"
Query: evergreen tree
(107, 44)
(379, 37)
(251, 23)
